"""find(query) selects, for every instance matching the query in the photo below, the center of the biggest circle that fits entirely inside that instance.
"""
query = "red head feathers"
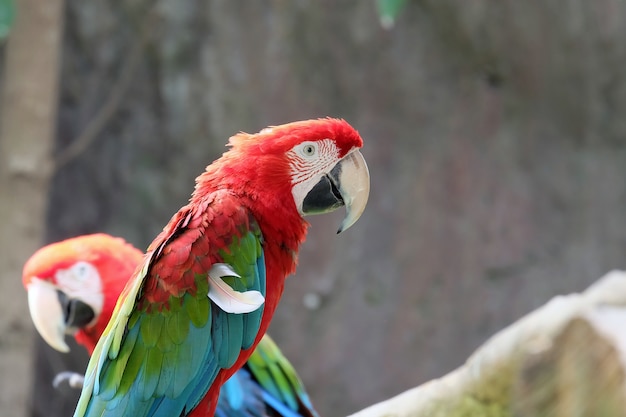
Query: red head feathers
(67, 280)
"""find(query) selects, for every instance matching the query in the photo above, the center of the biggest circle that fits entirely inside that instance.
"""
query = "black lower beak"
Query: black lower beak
(76, 314)
(324, 196)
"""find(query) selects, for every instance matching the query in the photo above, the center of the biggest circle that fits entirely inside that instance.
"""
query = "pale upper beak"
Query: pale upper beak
(54, 313)
(347, 184)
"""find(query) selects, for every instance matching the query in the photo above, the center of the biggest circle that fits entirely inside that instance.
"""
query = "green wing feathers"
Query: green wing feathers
(276, 375)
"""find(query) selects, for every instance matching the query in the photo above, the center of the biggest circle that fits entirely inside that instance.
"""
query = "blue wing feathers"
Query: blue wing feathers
(240, 396)
(164, 387)
(278, 406)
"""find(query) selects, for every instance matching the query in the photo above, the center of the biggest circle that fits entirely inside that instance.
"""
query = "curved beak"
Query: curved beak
(55, 314)
(46, 312)
(347, 184)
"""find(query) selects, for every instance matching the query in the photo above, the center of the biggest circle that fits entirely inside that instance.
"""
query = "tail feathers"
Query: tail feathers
(240, 396)
(277, 408)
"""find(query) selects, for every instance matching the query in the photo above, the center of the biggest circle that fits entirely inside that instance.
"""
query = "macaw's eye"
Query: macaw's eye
(82, 270)
(308, 149)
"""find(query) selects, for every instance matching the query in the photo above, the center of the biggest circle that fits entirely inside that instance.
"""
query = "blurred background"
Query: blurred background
(495, 133)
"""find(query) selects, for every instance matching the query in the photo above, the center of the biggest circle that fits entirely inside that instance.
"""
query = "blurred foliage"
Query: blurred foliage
(388, 10)
(7, 17)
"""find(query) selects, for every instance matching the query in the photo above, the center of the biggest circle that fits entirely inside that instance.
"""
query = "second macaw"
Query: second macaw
(72, 288)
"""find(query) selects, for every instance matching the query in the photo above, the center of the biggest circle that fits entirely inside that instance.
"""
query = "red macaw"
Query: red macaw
(72, 288)
(204, 296)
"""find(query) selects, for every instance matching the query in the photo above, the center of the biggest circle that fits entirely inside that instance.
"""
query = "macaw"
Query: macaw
(72, 288)
(204, 296)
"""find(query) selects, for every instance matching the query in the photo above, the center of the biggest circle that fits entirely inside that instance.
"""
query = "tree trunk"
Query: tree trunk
(27, 122)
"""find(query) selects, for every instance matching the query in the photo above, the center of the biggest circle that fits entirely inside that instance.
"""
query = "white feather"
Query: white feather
(225, 297)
